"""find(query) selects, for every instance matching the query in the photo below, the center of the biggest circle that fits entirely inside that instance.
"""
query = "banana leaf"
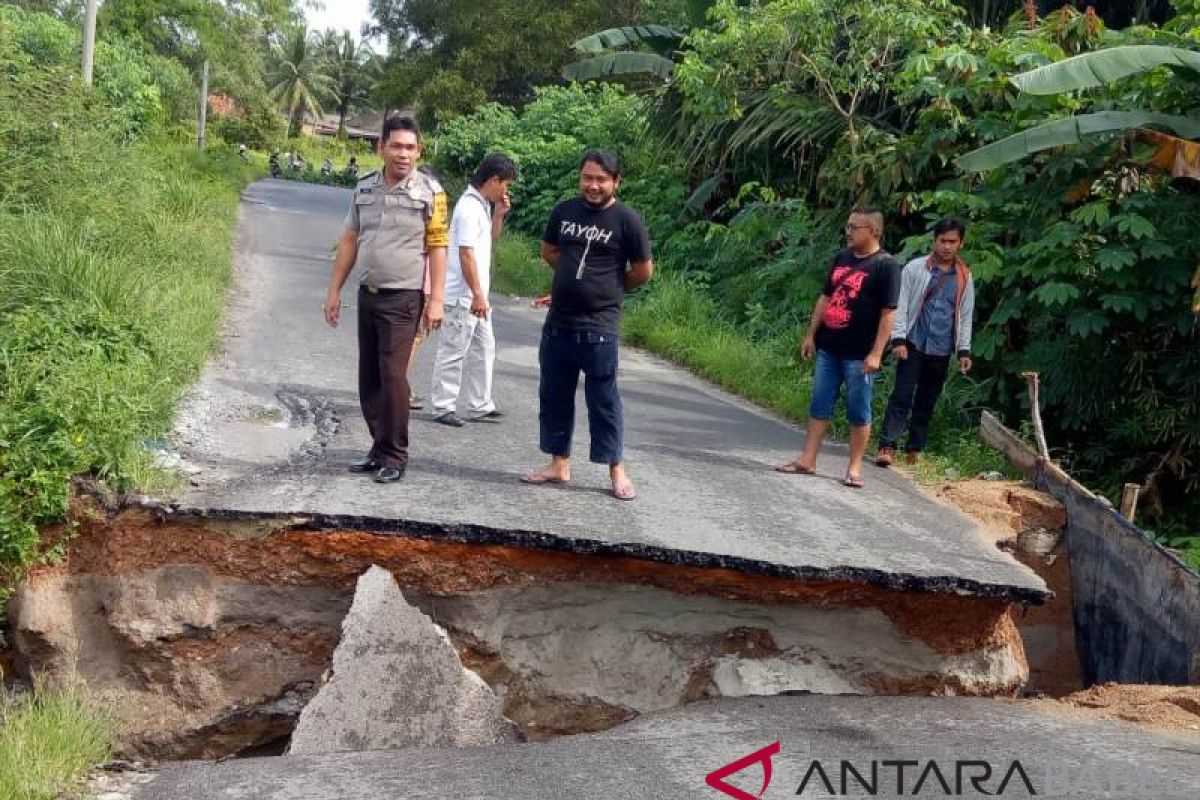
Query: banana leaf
(614, 38)
(1070, 131)
(1099, 67)
(615, 64)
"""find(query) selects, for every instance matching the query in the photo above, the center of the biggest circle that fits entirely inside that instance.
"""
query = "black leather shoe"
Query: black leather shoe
(389, 475)
(492, 416)
(365, 466)
(450, 418)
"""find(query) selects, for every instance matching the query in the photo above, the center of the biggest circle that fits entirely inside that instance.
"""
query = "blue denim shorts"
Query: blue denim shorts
(830, 373)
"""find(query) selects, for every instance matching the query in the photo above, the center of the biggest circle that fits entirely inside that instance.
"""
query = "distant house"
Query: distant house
(364, 127)
(222, 105)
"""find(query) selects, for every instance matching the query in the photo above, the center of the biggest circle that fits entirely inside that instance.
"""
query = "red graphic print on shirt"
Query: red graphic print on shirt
(848, 283)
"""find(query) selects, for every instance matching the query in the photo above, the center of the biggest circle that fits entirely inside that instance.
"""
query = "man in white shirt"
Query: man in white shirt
(466, 342)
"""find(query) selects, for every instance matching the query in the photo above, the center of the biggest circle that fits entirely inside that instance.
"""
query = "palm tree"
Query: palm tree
(1088, 71)
(298, 77)
(354, 71)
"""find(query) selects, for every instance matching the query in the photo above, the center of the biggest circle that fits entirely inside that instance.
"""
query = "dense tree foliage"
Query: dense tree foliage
(785, 113)
(449, 56)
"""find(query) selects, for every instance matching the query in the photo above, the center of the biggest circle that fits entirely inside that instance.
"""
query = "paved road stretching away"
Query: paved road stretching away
(667, 756)
(275, 420)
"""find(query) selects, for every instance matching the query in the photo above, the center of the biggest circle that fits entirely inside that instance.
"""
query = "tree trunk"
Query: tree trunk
(341, 129)
(296, 122)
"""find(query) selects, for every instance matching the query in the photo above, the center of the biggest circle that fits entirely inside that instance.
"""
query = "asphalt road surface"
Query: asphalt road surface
(668, 757)
(274, 421)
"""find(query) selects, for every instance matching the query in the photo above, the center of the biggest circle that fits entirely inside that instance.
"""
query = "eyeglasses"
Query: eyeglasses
(850, 226)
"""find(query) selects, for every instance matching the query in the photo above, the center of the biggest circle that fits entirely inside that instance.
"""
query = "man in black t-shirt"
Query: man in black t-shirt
(850, 327)
(599, 249)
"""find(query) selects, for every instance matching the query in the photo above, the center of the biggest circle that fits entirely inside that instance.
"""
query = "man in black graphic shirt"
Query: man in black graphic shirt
(599, 248)
(850, 326)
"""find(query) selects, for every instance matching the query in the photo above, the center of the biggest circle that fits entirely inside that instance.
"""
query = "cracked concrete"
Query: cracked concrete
(701, 457)
(397, 682)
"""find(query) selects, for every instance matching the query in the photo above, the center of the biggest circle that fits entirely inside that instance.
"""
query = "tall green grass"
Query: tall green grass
(49, 739)
(114, 260)
(517, 266)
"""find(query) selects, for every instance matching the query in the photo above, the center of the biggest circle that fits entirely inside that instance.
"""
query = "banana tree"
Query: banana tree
(608, 55)
(1088, 71)
(607, 60)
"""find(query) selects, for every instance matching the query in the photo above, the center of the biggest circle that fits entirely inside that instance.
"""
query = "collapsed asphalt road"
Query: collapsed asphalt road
(275, 420)
(891, 742)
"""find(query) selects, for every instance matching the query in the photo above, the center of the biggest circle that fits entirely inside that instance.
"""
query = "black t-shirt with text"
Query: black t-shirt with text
(859, 289)
(589, 279)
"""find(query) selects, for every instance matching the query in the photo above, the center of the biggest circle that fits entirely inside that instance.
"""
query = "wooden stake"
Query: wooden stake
(1129, 501)
(202, 122)
(1035, 408)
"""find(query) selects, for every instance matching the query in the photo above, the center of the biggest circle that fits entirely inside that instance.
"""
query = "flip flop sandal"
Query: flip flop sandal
(628, 494)
(535, 479)
(415, 404)
(852, 482)
(795, 468)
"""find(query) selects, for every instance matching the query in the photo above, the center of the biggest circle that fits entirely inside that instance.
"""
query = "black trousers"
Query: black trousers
(919, 382)
(563, 354)
(387, 325)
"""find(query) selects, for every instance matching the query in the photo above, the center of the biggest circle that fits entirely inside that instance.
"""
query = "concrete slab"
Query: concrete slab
(668, 756)
(700, 456)
(397, 682)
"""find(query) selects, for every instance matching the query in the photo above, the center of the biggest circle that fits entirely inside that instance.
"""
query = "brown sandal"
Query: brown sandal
(795, 468)
(853, 482)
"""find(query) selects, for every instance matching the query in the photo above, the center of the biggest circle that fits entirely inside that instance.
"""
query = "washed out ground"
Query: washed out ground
(274, 420)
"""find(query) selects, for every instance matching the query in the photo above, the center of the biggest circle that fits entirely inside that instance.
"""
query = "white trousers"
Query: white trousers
(465, 344)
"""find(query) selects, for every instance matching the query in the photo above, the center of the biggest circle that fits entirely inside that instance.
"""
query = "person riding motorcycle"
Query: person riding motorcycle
(326, 169)
(273, 161)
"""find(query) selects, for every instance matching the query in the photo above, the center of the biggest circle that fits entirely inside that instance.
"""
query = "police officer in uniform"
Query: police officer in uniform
(398, 217)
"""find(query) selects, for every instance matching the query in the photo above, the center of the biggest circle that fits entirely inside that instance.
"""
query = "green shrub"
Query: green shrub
(258, 129)
(547, 140)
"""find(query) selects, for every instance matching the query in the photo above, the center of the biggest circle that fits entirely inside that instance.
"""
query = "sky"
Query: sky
(340, 15)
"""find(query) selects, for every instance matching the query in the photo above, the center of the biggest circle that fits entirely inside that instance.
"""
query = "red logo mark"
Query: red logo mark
(717, 779)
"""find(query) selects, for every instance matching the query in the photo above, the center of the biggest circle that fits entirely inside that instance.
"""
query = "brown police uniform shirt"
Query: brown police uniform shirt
(396, 227)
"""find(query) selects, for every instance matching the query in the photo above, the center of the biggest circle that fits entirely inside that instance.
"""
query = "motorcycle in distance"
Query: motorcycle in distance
(327, 171)
(273, 161)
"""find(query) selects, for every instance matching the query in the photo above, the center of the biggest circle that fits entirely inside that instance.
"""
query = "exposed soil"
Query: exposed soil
(214, 633)
(274, 554)
(1165, 708)
(1029, 525)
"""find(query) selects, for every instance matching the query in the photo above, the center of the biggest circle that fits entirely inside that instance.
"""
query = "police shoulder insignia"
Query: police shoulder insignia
(435, 186)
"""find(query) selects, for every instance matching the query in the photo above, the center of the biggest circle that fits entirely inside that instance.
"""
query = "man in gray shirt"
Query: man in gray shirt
(932, 323)
(397, 218)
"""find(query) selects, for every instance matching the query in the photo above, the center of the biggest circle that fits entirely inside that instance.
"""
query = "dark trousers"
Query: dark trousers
(387, 325)
(919, 382)
(563, 354)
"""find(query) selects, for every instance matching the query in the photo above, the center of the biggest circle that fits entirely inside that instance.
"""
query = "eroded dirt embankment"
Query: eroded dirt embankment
(214, 633)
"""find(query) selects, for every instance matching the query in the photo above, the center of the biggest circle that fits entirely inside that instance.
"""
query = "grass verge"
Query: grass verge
(49, 739)
(518, 267)
(114, 273)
